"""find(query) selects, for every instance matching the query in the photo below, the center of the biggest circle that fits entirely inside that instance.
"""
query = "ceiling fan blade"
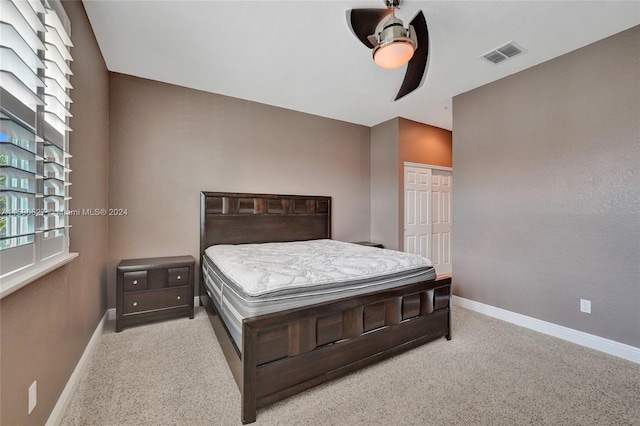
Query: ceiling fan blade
(416, 69)
(363, 22)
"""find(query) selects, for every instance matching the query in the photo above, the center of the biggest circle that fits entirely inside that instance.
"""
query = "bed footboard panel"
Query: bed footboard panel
(286, 353)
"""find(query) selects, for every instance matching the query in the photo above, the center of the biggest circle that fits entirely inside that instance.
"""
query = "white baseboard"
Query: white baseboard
(65, 398)
(611, 347)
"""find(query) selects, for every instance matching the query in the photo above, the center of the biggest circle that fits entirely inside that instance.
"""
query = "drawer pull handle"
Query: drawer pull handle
(135, 303)
(135, 282)
(178, 297)
(178, 277)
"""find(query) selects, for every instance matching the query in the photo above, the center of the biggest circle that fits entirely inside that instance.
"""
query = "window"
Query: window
(34, 161)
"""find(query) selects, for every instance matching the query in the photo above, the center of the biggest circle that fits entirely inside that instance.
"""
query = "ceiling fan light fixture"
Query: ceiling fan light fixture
(394, 45)
(393, 55)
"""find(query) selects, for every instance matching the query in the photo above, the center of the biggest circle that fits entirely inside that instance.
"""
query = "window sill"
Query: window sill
(19, 280)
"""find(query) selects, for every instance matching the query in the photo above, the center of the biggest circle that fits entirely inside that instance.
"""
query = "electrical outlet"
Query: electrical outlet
(33, 396)
(585, 306)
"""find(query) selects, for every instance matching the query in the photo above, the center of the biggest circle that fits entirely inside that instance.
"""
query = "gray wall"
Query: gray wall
(168, 143)
(384, 183)
(46, 325)
(547, 199)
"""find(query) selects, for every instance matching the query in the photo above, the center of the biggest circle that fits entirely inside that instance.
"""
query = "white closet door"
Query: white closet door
(441, 187)
(417, 224)
(427, 214)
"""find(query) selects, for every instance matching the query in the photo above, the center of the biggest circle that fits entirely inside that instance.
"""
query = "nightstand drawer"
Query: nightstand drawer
(178, 276)
(157, 299)
(135, 280)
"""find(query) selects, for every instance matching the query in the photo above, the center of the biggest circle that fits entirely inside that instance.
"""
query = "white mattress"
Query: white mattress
(247, 280)
(272, 270)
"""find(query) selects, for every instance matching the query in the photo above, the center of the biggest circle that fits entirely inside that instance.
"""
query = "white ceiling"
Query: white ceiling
(301, 55)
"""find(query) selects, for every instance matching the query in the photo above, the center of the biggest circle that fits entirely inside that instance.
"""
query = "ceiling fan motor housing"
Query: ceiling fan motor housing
(393, 31)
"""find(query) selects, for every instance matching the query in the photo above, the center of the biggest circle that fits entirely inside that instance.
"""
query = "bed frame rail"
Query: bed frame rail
(286, 353)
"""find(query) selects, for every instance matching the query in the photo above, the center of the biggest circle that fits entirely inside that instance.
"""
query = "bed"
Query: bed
(285, 346)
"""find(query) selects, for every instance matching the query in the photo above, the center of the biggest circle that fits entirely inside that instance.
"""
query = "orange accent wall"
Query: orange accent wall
(421, 143)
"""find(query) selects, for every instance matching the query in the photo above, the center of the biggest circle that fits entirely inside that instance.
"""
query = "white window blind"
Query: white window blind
(35, 85)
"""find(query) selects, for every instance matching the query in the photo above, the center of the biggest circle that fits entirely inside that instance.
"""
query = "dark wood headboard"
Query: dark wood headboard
(239, 218)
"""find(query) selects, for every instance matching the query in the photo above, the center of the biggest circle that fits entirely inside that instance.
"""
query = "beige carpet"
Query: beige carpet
(490, 373)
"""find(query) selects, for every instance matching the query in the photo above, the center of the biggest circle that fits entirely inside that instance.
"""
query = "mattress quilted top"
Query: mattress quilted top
(269, 267)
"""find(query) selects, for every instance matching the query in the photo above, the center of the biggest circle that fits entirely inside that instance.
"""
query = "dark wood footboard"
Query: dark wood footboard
(287, 352)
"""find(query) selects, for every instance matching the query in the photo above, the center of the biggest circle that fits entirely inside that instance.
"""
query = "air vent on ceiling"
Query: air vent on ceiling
(504, 52)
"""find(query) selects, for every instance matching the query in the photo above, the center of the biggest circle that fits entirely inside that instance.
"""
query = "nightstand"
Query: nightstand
(153, 289)
(369, 244)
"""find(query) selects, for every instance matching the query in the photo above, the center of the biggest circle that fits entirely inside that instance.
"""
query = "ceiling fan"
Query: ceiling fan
(394, 45)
